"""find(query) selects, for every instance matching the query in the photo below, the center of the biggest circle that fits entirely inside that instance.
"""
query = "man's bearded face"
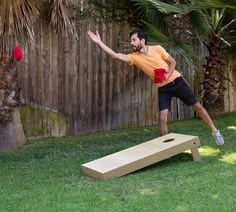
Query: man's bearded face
(135, 43)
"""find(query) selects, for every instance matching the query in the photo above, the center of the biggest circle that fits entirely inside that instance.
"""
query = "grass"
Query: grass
(46, 175)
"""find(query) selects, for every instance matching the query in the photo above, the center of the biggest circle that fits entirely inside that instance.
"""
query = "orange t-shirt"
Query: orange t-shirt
(155, 58)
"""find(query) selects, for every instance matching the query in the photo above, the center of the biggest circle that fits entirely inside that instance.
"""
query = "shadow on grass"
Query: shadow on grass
(177, 159)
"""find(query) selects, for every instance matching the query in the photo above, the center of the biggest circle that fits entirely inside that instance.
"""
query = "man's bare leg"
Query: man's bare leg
(163, 119)
(204, 116)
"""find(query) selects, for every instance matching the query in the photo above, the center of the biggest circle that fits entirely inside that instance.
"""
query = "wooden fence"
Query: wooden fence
(230, 93)
(93, 92)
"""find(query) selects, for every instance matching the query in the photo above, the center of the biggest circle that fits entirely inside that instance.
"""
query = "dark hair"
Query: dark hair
(140, 33)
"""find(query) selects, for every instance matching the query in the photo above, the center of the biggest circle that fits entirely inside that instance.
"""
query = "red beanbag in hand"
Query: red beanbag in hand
(17, 53)
(159, 76)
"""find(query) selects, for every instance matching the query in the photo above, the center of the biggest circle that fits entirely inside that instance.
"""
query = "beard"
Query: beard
(137, 48)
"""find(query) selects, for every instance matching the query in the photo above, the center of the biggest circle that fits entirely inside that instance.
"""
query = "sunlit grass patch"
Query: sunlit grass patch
(148, 191)
(231, 127)
(208, 151)
(229, 158)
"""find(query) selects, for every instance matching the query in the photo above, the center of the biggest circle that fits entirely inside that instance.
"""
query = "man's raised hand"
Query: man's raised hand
(95, 38)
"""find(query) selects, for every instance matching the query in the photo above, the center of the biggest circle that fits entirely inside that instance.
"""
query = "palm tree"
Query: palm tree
(212, 23)
(219, 38)
(17, 18)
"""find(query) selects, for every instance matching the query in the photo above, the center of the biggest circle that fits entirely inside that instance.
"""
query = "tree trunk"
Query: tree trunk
(213, 99)
(11, 133)
(11, 130)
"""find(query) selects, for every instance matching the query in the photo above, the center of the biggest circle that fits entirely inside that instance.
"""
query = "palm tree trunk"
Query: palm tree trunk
(213, 99)
(11, 133)
(11, 130)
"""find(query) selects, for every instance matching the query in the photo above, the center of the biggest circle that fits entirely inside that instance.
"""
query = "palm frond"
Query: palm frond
(184, 51)
(217, 16)
(161, 6)
(226, 42)
(141, 5)
(200, 24)
(17, 18)
(222, 30)
(174, 45)
(170, 8)
(219, 3)
(60, 17)
(147, 12)
(155, 34)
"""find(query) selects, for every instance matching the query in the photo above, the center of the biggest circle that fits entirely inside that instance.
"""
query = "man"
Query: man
(153, 60)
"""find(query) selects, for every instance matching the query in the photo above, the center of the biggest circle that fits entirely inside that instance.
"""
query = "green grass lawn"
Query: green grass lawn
(46, 174)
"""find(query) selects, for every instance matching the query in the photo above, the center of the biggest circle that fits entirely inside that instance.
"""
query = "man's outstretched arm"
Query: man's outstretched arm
(96, 39)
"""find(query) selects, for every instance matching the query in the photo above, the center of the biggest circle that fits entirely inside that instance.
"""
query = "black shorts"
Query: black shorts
(178, 88)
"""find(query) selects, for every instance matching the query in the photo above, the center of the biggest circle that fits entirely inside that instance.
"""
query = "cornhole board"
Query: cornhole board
(142, 155)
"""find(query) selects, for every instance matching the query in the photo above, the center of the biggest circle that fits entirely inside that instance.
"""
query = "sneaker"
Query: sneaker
(218, 137)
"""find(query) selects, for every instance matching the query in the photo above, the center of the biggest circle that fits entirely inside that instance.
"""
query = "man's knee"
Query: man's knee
(163, 117)
(197, 106)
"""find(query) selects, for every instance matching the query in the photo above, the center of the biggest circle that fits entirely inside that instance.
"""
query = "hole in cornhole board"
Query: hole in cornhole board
(169, 140)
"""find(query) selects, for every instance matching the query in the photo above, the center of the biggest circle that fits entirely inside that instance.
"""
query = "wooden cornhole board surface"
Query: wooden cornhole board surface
(142, 155)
